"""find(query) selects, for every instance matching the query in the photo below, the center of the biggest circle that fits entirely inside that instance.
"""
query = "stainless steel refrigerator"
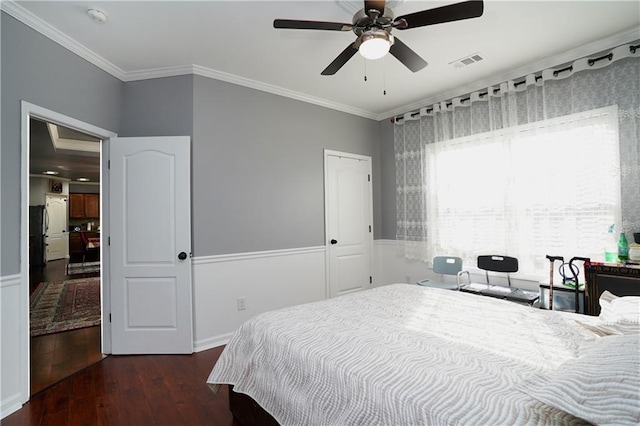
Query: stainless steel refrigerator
(37, 230)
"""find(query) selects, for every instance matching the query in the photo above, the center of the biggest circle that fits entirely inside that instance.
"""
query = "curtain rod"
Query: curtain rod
(591, 62)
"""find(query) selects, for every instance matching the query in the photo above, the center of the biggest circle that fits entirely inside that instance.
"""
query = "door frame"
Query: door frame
(327, 263)
(28, 110)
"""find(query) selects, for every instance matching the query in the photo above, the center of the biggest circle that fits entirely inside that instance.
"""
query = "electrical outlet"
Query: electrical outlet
(242, 303)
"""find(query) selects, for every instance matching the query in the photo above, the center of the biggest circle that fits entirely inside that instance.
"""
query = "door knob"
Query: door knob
(334, 241)
(182, 255)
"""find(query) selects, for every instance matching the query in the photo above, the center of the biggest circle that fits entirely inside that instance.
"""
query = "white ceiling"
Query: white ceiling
(235, 41)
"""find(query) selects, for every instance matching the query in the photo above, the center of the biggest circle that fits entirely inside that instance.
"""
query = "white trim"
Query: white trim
(385, 242)
(52, 33)
(159, 73)
(39, 25)
(212, 342)
(28, 110)
(245, 82)
(276, 90)
(10, 280)
(203, 260)
(51, 177)
(267, 280)
(71, 144)
(76, 182)
(44, 28)
(10, 405)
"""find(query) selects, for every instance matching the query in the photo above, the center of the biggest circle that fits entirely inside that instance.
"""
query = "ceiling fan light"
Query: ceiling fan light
(374, 44)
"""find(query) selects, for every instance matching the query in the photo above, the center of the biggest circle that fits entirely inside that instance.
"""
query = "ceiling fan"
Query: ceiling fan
(373, 24)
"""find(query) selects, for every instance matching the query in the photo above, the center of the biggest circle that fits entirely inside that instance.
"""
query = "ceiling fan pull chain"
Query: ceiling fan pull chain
(365, 70)
(384, 77)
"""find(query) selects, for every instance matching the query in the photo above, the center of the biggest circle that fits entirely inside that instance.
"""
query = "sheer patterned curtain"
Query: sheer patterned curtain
(541, 113)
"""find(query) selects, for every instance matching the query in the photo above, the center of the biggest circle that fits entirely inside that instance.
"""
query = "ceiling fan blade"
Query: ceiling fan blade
(342, 59)
(295, 24)
(439, 15)
(374, 4)
(407, 56)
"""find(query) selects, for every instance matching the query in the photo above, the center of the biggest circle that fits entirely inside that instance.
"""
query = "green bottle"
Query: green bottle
(623, 248)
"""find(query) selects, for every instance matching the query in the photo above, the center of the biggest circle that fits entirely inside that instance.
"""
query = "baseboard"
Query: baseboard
(212, 342)
(10, 405)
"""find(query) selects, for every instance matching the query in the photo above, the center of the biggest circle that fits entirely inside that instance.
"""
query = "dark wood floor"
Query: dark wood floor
(133, 390)
(59, 355)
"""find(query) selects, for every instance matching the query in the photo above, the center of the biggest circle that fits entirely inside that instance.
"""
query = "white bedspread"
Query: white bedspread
(401, 355)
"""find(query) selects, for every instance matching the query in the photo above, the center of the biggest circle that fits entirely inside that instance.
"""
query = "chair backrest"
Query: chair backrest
(84, 237)
(494, 263)
(447, 265)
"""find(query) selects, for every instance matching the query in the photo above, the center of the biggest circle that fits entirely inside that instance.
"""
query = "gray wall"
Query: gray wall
(158, 107)
(257, 158)
(258, 167)
(41, 72)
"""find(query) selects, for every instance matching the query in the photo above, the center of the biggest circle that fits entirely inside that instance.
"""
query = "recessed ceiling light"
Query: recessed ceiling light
(83, 179)
(97, 16)
(50, 172)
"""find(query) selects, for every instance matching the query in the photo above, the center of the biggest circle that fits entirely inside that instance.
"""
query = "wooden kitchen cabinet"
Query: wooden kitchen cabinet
(92, 206)
(84, 206)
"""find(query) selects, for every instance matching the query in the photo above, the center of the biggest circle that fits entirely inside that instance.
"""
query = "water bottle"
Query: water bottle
(623, 248)
(611, 246)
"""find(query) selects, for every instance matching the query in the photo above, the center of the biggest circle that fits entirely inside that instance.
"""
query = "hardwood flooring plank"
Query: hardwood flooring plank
(133, 390)
(83, 411)
(78, 348)
(58, 418)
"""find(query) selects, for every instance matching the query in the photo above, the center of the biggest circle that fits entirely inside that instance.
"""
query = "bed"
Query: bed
(412, 355)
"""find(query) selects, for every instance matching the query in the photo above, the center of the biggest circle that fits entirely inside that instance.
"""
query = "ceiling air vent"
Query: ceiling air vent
(467, 60)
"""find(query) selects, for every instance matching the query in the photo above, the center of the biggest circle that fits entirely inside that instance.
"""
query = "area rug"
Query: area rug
(65, 305)
(83, 268)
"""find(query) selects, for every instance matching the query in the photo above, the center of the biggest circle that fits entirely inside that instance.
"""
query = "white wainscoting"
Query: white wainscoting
(274, 279)
(267, 280)
(11, 358)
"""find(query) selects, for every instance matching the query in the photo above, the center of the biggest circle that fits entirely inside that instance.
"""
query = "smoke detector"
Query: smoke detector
(467, 60)
(97, 16)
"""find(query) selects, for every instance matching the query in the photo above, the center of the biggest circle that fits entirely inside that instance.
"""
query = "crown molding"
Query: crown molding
(52, 33)
(39, 25)
(245, 82)
(44, 28)
(576, 53)
(253, 84)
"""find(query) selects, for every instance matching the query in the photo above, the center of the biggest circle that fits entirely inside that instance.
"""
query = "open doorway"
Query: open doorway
(64, 252)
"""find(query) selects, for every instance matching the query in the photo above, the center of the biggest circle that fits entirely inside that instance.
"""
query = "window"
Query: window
(550, 187)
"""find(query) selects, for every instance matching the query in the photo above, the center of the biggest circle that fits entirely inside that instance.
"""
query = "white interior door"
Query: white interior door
(150, 243)
(349, 222)
(56, 236)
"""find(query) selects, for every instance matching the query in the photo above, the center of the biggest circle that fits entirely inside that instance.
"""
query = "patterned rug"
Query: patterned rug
(65, 305)
(83, 268)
